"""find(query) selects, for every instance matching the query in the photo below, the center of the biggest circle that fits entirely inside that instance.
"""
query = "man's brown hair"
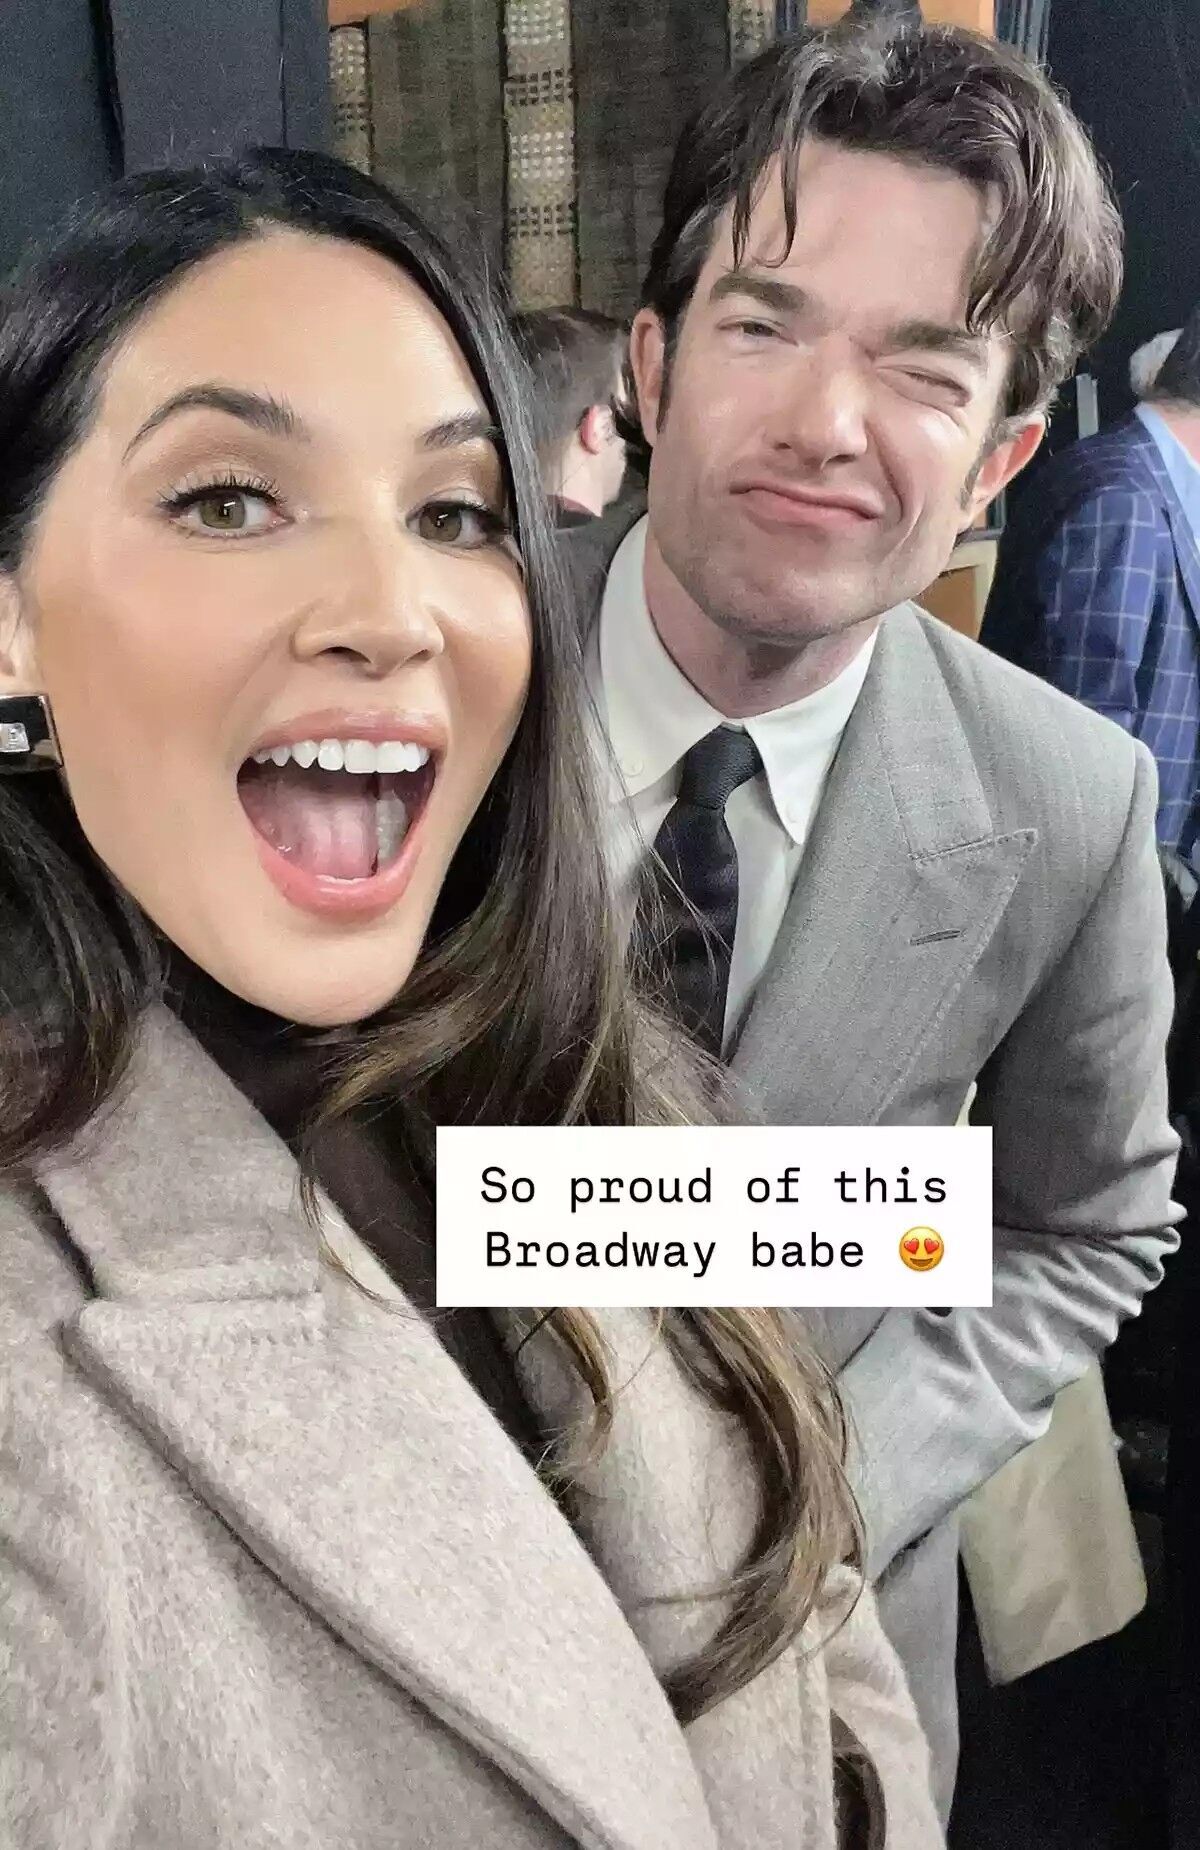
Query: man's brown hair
(1049, 268)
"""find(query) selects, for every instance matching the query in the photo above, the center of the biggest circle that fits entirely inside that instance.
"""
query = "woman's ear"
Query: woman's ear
(18, 654)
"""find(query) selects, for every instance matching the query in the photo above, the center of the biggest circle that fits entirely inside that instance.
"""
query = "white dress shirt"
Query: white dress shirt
(653, 715)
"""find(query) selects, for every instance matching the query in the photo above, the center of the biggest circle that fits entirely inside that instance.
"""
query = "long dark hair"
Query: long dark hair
(519, 1009)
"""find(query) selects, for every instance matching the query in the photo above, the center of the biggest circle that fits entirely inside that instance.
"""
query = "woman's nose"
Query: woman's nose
(375, 614)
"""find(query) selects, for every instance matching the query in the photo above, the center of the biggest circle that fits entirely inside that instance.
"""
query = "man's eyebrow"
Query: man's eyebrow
(467, 427)
(785, 298)
(257, 409)
(907, 336)
(938, 337)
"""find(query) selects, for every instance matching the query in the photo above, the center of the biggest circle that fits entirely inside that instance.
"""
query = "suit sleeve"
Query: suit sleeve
(1084, 1159)
(1077, 611)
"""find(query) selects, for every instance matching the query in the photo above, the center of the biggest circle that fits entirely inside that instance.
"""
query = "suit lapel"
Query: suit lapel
(339, 1441)
(900, 888)
(1183, 537)
(1187, 551)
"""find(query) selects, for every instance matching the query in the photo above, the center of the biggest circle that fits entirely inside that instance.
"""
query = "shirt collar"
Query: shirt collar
(1181, 467)
(654, 714)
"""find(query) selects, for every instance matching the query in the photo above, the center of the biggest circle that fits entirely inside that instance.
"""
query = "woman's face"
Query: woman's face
(284, 635)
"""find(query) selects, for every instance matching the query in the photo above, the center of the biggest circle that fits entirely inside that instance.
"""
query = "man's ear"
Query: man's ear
(18, 656)
(647, 350)
(1003, 461)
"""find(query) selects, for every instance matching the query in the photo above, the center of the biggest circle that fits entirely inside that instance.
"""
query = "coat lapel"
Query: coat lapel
(339, 1441)
(668, 1509)
(901, 887)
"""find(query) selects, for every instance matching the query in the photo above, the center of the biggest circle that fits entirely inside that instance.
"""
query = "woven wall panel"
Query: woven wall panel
(751, 27)
(539, 110)
(351, 94)
(640, 71)
(437, 107)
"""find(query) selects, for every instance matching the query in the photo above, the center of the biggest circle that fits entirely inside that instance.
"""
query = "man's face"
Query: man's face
(827, 430)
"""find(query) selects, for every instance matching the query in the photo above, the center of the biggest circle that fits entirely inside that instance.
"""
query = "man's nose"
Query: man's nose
(822, 416)
(374, 611)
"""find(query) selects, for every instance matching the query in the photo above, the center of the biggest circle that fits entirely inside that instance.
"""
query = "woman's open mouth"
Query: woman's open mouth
(334, 818)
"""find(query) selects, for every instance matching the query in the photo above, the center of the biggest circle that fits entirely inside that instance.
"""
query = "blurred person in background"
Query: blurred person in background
(576, 358)
(1097, 586)
(1145, 362)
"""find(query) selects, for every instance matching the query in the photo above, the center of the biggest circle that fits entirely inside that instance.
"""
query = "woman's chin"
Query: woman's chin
(314, 996)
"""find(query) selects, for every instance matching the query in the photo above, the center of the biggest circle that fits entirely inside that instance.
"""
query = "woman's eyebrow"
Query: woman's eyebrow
(257, 409)
(276, 417)
(467, 427)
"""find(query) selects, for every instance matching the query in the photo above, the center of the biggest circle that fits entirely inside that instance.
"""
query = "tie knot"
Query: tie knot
(713, 769)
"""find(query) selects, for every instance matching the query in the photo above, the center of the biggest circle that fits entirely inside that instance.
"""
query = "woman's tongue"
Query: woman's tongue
(323, 821)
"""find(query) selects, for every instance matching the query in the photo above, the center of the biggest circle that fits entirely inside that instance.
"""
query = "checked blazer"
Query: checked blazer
(1097, 590)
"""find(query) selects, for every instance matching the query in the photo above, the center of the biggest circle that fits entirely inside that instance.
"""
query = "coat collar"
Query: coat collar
(900, 888)
(343, 1446)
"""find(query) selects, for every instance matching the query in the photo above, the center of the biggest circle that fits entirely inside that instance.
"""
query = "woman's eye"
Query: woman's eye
(460, 524)
(225, 510)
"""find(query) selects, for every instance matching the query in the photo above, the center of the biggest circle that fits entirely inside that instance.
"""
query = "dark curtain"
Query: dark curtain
(195, 81)
(1025, 24)
(640, 72)
(91, 89)
(437, 106)
(59, 138)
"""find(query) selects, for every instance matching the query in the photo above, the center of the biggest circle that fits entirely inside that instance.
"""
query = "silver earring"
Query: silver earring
(28, 741)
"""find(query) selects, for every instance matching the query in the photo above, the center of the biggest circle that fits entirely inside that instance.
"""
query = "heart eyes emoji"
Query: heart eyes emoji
(921, 1249)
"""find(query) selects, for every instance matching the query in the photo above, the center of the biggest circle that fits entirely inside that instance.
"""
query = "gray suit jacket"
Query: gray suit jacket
(979, 902)
(271, 1574)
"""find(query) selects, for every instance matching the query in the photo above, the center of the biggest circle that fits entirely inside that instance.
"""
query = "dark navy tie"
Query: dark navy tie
(699, 857)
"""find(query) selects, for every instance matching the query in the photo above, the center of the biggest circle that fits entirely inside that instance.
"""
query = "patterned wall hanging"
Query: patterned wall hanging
(641, 71)
(751, 26)
(351, 94)
(437, 109)
(539, 112)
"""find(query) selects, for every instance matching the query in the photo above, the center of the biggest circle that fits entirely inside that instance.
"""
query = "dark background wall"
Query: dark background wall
(1132, 71)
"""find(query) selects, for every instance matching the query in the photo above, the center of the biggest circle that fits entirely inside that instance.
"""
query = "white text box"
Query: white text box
(728, 1217)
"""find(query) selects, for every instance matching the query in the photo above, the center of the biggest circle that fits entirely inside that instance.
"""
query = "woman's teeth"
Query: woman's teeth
(359, 756)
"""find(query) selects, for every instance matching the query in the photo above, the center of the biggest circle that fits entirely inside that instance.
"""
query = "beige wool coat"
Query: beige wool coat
(272, 1575)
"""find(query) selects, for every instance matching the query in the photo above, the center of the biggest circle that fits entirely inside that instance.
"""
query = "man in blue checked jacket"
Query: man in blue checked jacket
(1098, 583)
